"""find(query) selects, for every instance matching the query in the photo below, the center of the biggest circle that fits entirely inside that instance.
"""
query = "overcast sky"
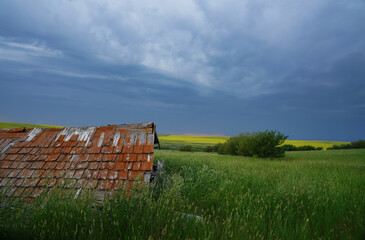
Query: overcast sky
(215, 67)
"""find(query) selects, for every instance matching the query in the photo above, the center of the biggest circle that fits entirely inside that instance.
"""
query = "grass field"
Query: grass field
(306, 195)
(199, 142)
(26, 125)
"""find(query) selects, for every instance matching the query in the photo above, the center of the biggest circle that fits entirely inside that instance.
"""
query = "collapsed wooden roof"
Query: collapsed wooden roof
(103, 158)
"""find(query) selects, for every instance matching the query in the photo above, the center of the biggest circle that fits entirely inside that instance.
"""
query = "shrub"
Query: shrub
(186, 148)
(289, 147)
(352, 145)
(260, 144)
(219, 148)
(306, 148)
(342, 146)
(210, 149)
(358, 144)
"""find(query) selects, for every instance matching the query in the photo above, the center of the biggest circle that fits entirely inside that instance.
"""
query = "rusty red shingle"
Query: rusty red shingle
(105, 158)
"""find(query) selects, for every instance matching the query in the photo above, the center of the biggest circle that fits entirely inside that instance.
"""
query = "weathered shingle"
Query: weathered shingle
(33, 161)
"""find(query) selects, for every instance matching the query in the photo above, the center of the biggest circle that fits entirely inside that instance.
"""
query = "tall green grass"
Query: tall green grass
(306, 195)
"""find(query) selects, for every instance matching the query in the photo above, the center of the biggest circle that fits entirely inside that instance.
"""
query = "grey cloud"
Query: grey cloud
(182, 40)
(248, 60)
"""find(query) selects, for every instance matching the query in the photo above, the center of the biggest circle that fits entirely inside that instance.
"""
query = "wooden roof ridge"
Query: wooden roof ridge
(11, 130)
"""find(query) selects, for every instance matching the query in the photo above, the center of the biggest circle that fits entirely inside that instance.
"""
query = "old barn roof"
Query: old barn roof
(104, 158)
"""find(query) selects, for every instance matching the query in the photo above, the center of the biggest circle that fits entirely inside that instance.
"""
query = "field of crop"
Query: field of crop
(199, 142)
(324, 144)
(306, 195)
(26, 125)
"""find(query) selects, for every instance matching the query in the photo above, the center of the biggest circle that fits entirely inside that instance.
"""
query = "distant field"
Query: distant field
(26, 125)
(183, 139)
(324, 144)
(199, 142)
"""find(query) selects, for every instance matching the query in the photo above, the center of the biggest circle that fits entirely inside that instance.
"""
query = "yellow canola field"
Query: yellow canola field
(185, 139)
(324, 144)
(212, 140)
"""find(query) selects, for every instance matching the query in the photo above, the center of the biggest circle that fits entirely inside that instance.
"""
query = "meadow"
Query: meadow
(306, 195)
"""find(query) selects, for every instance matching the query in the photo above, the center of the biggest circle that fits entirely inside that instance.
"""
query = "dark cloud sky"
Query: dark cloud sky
(204, 67)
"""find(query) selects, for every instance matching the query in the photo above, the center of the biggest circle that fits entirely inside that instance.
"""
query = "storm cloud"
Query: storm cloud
(213, 67)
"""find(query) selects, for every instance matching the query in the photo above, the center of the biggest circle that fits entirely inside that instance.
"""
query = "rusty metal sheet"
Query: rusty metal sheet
(102, 157)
